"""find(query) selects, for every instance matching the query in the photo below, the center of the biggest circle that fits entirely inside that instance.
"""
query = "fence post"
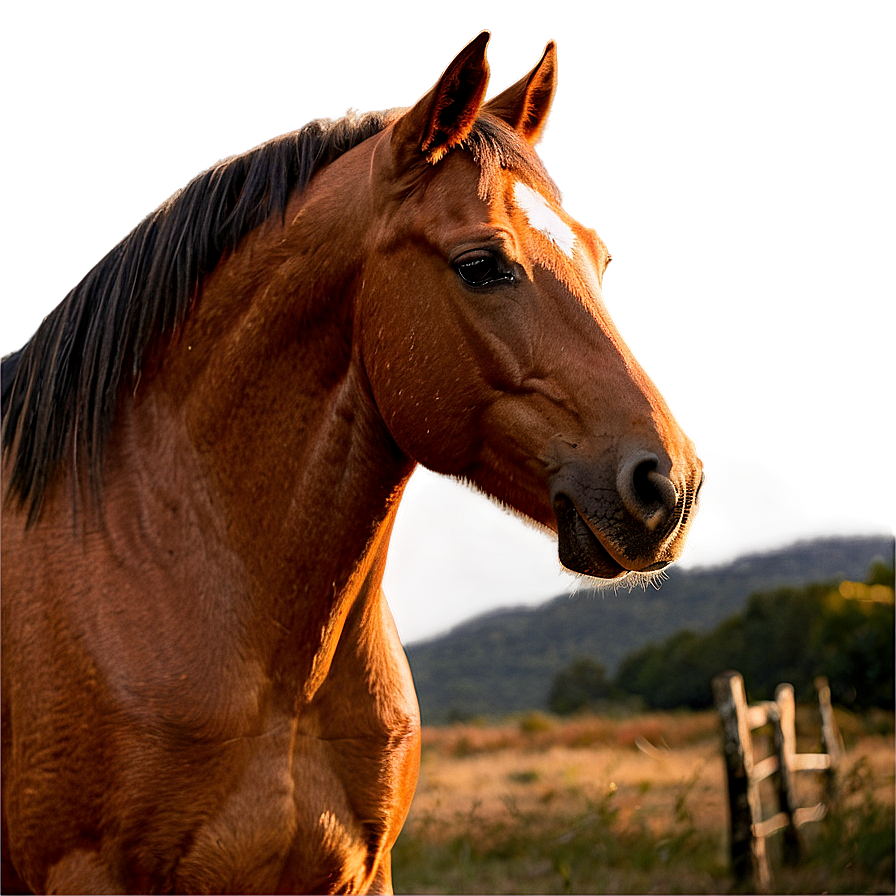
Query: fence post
(784, 728)
(831, 741)
(749, 860)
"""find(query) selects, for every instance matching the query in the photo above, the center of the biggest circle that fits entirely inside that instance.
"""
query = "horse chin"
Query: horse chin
(581, 551)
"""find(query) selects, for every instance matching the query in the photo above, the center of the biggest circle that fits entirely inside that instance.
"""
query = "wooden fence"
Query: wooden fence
(749, 829)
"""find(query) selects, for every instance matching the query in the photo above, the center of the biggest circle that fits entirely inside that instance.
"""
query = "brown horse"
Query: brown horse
(205, 445)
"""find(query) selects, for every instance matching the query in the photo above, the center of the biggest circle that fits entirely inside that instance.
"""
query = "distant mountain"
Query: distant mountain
(506, 660)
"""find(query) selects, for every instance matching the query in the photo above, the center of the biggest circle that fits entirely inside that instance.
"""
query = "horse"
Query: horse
(205, 445)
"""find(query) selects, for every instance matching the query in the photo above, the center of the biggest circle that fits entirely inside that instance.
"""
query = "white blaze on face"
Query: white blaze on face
(543, 218)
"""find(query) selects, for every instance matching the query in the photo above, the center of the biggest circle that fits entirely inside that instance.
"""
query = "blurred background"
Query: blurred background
(736, 160)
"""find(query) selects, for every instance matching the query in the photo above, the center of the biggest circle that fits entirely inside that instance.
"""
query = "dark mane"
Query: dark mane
(60, 390)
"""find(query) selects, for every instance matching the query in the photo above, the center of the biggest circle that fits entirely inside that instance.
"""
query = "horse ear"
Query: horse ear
(525, 106)
(445, 116)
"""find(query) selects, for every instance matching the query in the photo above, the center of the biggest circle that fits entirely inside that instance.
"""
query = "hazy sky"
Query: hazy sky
(737, 159)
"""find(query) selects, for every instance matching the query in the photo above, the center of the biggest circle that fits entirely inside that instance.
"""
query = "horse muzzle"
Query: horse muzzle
(634, 522)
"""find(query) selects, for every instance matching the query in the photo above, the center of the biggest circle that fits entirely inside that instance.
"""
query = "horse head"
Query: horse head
(489, 351)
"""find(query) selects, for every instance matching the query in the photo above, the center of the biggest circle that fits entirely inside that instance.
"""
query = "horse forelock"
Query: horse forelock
(497, 147)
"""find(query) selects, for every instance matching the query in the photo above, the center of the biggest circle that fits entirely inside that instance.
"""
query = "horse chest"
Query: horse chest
(239, 840)
(304, 814)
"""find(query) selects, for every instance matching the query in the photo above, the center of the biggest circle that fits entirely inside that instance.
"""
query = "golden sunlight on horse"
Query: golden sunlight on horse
(205, 445)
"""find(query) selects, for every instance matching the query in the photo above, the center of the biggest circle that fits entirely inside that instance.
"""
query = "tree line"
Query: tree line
(844, 631)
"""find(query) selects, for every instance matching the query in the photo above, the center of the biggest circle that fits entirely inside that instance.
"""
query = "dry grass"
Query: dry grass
(618, 805)
(538, 731)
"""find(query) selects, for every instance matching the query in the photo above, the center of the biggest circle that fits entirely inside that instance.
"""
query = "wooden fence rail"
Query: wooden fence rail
(749, 830)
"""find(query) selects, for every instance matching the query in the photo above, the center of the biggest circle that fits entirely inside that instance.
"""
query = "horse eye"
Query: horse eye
(480, 269)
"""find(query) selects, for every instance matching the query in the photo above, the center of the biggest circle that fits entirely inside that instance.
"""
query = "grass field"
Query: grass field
(627, 805)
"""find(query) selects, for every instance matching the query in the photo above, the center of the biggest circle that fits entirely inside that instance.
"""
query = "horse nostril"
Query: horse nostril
(644, 491)
(647, 494)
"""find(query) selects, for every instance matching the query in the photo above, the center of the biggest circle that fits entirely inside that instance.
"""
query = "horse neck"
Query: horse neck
(264, 401)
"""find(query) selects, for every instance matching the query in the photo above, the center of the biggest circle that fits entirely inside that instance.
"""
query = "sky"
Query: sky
(737, 159)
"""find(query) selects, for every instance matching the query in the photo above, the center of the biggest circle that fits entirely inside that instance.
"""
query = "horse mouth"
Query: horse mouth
(582, 551)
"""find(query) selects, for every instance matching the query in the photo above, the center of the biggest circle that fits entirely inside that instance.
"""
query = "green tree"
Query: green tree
(881, 574)
(844, 632)
(580, 685)
(855, 646)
